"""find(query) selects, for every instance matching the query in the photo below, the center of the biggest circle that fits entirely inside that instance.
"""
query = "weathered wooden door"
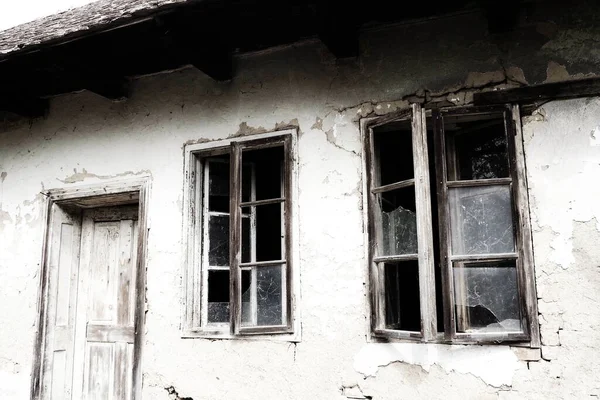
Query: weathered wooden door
(92, 354)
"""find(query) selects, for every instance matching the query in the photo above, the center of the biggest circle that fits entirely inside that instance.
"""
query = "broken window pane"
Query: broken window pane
(480, 149)
(402, 311)
(481, 220)
(268, 296)
(218, 239)
(487, 298)
(218, 294)
(393, 152)
(218, 184)
(268, 231)
(268, 165)
(398, 222)
(246, 239)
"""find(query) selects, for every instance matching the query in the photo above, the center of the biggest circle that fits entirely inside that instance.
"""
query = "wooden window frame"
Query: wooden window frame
(522, 228)
(194, 324)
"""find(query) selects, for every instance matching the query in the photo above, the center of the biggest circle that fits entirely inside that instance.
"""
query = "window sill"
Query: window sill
(402, 337)
(215, 334)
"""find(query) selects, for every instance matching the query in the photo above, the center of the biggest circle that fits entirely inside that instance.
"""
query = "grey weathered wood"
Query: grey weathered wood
(523, 228)
(235, 239)
(262, 202)
(110, 333)
(397, 257)
(424, 225)
(393, 186)
(68, 199)
(263, 263)
(479, 182)
(442, 198)
(484, 257)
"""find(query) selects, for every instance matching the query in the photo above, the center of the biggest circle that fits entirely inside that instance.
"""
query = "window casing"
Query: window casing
(239, 226)
(449, 241)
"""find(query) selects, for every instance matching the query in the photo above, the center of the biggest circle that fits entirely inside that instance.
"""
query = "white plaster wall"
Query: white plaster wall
(86, 139)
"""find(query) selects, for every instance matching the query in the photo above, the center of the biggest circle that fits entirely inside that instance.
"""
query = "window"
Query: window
(449, 238)
(239, 277)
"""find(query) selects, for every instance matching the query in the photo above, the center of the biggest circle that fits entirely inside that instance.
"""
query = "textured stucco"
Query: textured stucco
(86, 139)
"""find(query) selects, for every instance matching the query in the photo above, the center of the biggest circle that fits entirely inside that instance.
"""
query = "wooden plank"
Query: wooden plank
(479, 182)
(398, 257)
(287, 209)
(400, 115)
(122, 368)
(63, 287)
(126, 273)
(483, 257)
(262, 263)
(110, 333)
(540, 93)
(103, 272)
(98, 367)
(523, 229)
(59, 379)
(393, 186)
(235, 239)
(442, 197)
(262, 202)
(424, 225)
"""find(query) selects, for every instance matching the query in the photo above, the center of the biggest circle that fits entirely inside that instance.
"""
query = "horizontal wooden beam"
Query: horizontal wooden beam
(543, 92)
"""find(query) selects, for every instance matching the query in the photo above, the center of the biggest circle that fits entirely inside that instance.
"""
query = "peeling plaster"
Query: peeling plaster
(81, 176)
(495, 365)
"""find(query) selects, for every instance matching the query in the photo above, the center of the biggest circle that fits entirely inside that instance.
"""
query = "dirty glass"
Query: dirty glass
(486, 298)
(218, 239)
(398, 222)
(481, 220)
(394, 154)
(402, 302)
(480, 148)
(218, 294)
(269, 297)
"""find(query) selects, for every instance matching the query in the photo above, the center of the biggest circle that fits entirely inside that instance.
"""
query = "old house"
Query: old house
(301, 200)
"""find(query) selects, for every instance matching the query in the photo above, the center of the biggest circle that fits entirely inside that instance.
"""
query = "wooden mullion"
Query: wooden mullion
(287, 194)
(424, 228)
(524, 241)
(374, 286)
(262, 202)
(396, 258)
(263, 263)
(484, 257)
(235, 240)
(393, 186)
(479, 182)
(442, 197)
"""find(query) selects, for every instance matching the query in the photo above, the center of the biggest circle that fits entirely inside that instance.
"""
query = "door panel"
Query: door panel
(107, 306)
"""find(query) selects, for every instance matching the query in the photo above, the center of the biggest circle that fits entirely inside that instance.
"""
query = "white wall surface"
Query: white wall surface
(17, 12)
(87, 139)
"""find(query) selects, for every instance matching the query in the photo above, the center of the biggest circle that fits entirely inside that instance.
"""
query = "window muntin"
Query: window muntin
(479, 269)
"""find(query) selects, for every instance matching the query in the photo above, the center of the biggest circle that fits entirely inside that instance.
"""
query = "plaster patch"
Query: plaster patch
(595, 137)
(495, 365)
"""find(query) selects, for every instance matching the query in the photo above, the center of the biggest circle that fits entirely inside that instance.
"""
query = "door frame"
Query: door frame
(74, 200)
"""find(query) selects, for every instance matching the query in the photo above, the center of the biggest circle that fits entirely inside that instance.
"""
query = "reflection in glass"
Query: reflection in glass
(218, 239)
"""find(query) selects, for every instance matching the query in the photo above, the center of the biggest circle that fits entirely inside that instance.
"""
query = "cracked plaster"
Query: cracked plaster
(325, 101)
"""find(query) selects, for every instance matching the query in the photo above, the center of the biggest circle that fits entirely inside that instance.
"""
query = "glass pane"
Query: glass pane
(267, 164)
(246, 239)
(268, 297)
(402, 311)
(480, 150)
(481, 220)
(267, 230)
(393, 153)
(398, 222)
(218, 184)
(218, 239)
(486, 298)
(218, 294)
